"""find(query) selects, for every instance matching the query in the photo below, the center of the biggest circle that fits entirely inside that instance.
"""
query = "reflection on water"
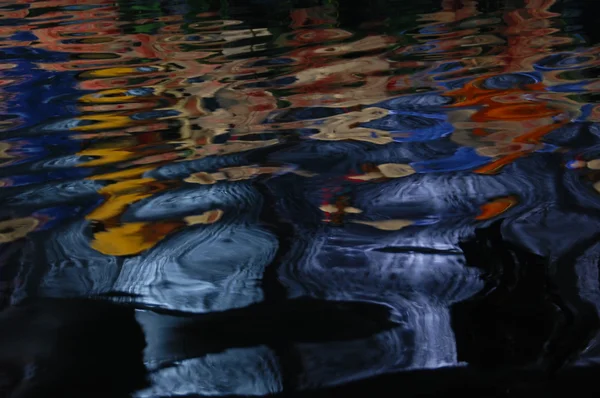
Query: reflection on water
(209, 156)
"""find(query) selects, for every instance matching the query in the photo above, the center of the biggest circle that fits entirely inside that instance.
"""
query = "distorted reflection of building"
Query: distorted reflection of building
(191, 164)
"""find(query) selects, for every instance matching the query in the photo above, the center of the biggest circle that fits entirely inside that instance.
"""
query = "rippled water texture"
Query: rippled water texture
(206, 156)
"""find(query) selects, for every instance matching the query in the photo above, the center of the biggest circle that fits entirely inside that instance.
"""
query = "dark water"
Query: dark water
(309, 193)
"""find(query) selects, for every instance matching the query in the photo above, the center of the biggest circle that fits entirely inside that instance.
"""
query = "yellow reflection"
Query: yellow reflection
(395, 170)
(119, 196)
(386, 225)
(594, 164)
(103, 122)
(123, 174)
(127, 186)
(4, 148)
(115, 72)
(17, 228)
(386, 170)
(105, 155)
(129, 239)
(107, 96)
(134, 238)
(115, 206)
(329, 208)
(208, 217)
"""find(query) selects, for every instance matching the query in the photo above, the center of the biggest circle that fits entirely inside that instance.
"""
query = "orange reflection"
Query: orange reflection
(496, 207)
(513, 112)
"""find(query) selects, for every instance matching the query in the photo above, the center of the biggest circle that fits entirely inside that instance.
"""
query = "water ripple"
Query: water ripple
(201, 157)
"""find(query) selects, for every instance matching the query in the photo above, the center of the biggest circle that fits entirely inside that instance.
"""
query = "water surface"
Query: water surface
(208, 156)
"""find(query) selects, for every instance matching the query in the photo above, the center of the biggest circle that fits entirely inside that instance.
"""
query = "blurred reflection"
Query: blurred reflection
(439, 160)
